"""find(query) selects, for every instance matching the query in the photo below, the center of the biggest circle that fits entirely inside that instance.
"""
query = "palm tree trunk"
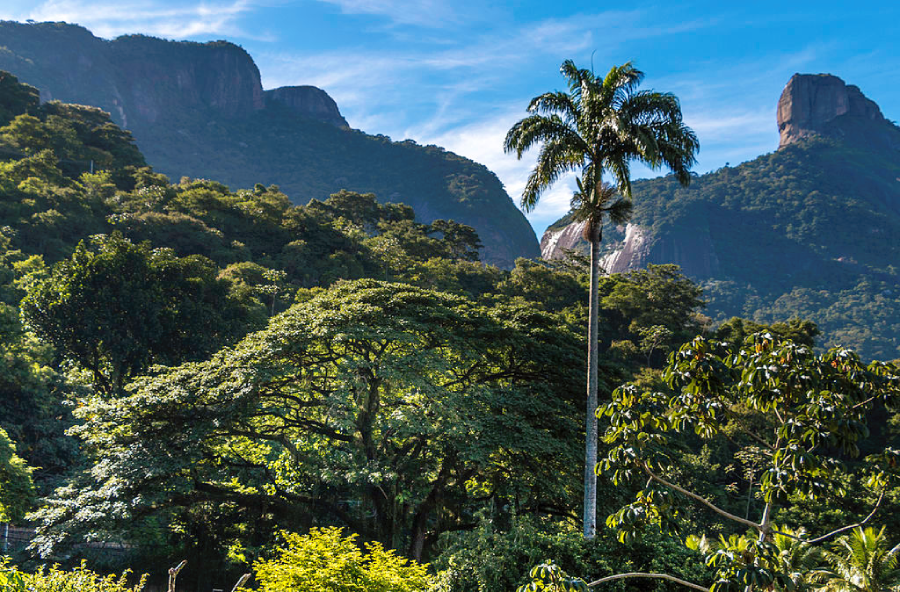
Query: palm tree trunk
(590, 456)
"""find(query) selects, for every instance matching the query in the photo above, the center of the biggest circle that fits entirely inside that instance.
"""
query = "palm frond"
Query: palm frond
(620, 211)
(554, 103)
(554, 160)
(535, 129)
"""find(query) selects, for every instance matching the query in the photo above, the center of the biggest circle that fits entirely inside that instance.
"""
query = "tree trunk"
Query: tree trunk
(590, 457)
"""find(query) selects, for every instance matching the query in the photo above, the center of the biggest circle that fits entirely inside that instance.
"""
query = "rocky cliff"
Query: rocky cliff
(199, 110)
(308, 101)
(137, 79)
(812, 230)
(822, 104)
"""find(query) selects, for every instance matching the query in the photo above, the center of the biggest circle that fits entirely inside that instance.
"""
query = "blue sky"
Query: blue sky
(460, 73)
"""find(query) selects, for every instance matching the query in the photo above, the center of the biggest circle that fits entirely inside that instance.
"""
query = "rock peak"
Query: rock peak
(814, 104)
(308, 101)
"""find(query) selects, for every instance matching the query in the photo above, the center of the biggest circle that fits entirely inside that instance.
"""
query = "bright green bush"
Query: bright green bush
(326, 561)
(79, 579)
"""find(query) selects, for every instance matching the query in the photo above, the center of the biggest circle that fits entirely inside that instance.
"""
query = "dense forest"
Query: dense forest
(334, 396)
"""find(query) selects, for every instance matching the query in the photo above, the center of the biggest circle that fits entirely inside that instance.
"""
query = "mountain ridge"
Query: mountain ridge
(804, 231)
(199, 110)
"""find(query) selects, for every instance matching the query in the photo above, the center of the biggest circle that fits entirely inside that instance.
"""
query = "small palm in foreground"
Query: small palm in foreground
(601, 125)
(796, 558)
(862, 562)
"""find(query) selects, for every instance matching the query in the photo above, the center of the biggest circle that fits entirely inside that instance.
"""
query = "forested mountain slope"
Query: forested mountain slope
(810, 231)
(199, 110)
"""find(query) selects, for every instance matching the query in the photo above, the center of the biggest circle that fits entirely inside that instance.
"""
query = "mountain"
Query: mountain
(199, 110)
(811, 230)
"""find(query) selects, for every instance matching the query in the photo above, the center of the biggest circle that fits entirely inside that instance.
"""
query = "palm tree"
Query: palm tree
(600, 125)
(862, 562)
(795, 558)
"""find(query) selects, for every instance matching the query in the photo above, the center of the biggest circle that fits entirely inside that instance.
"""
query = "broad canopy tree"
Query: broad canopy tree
(393, 410)
(600, 126)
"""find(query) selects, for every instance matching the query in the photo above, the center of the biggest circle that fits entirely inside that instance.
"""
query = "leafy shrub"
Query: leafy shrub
(79, 579)
(326, 561)
(488, 559)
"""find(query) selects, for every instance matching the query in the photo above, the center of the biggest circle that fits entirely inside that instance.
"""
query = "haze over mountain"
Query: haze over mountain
(810, 231)
(199, 110)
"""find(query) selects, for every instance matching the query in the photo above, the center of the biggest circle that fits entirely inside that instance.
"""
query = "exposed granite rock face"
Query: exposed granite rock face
(819, 104)
(161, 77)
(633, 247)
(308, 101)
(811, 105)
(630, 253)
(556, 242)
(143, 80)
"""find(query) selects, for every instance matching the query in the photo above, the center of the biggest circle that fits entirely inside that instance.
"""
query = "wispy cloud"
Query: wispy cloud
(422, 13)
(458, 73)
(168, 19)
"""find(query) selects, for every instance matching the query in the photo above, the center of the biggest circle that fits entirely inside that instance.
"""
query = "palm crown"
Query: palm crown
(862, 562)
(601, 125)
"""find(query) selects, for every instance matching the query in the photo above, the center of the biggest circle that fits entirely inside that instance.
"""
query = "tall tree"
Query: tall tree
(115, 308)
(600, 125)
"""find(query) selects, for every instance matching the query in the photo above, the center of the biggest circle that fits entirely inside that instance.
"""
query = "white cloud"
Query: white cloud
(111, 19)
(451, 89)
(447, 95)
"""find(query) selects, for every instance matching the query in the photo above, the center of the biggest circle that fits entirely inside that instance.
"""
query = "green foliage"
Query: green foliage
(326, 561)
(115, 308)
(495, 556)
(549, 577)
(414, 404)
(54, 579)
(31, 399)
(16, 98)
(16, 486)
(800, 233)
(862, 562)
(657, 308)
(248, 145)
(434, 182)
(82, 138)
(735, 331)
(802, 415)
(600, 126)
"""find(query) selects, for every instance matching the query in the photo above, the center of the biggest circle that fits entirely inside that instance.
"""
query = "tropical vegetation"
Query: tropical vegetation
(212, 385)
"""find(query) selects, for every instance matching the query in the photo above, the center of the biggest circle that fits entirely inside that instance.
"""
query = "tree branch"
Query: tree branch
(834, 532)
(863, 403)
(701, 500)
(649, 575)
(852, 526)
